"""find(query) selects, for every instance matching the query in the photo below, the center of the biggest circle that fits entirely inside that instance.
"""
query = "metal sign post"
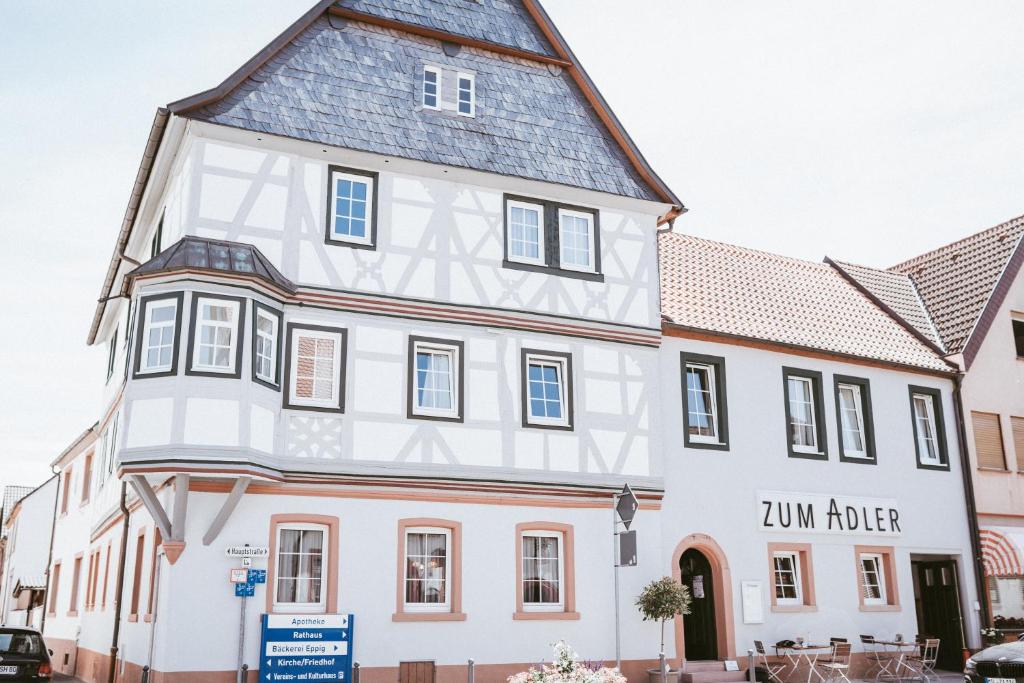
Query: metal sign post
(624, 543)
(244, 581)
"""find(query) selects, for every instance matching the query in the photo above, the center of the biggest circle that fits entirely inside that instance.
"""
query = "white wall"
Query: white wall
(931, 503)
(28, 545)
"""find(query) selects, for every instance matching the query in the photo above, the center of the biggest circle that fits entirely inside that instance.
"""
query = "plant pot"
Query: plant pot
(671, 676)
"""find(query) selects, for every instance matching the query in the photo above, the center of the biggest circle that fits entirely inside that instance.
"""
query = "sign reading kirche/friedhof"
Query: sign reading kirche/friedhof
(825, 514)
(306, 648)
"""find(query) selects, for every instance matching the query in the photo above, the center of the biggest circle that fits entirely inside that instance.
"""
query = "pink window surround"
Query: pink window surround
(568, 571)
(330, 562)
(803, 553)
(892, 593)
(454, 579)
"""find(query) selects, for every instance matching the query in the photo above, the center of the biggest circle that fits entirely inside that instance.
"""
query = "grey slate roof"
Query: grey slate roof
(898, 292)
(497, 21)
(198, 253)
(356, 87)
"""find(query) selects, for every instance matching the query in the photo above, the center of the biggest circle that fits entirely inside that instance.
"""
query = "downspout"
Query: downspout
(972, 508)
(49, 553)
(120, 584)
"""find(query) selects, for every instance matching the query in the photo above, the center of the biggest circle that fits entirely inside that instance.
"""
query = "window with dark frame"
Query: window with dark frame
(1018, 337)
(158, 335)
(547, 389)
(928, 425)
(266, 346)
(215, 336)
(315, 368)
(805, 418)
(854, 419)
(705, 415)
(111, 354)
(551, 237)
(436, 381)
(351, 207)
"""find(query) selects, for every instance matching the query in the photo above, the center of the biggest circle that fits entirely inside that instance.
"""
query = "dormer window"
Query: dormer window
(467, 95)
(431, 87)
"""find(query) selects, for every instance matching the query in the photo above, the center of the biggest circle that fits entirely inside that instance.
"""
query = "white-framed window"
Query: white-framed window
(302, 559)
(786, 577)
(525, 232)
(803, 426)
(111, 353)
(427, 569)
(158, 335)
(543, 571)
(431, 94)
(351, 207)
(315, 366)
(467, 94)
(215, 343)
(435, 377)
(852, 430)
(112, 444)
(547, 391)
(872, 579)
(576, 240)
(701, 403)
(266, 330)
(928, 452)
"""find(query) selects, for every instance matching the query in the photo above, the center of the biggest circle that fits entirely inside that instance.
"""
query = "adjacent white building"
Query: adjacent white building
(27, 524)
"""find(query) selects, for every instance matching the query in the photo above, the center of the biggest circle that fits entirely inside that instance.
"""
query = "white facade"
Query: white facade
(25, 555)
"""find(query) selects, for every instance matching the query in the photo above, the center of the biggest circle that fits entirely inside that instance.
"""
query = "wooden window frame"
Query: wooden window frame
(567, 610)
(262, 310)
(940, 428)
(291, 348)
(863, 386)
(719, 392)
(237, 326)
(890, 586)
(454, 578)
(805, 569)
(142, 327)
(564, 362)
(549, 258)
(330, 565)
(456, 352)
(458, 93)
(372, 180)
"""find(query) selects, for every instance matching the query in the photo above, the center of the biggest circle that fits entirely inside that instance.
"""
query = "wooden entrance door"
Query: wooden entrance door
(700, 634)
(940, 611)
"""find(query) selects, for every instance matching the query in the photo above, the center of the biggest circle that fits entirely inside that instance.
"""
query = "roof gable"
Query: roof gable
(348, 75)
(959, 281)
(721, 288)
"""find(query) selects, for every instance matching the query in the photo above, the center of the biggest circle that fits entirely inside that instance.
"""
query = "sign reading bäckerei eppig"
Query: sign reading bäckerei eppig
(825, 514)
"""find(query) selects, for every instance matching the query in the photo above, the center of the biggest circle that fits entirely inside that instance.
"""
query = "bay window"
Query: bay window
(159, 332)
(216, 327)
(266, 326)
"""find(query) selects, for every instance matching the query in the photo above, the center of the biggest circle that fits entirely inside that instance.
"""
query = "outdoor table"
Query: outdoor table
(899, 651)
(800, 655)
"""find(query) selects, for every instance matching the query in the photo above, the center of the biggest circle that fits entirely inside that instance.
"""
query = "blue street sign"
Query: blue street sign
(257, 576)
(306, 647)
(245, 590)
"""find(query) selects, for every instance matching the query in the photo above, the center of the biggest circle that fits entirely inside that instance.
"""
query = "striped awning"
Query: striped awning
(1001, 551)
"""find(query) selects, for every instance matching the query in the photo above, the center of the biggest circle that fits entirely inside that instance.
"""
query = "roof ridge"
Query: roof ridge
(748, 250)
(915, 260)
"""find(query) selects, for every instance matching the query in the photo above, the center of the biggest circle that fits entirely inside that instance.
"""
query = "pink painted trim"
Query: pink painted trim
(454, 581)
(892, 590)
(803, 551)
(568, 571)
(721, 581)
(331, 571)
(133, 618)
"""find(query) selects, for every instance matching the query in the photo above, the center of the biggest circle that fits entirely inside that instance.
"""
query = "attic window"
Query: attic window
(467, 95)
(431, 87)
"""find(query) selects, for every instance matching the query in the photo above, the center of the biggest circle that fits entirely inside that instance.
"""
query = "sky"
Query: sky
(868, 131)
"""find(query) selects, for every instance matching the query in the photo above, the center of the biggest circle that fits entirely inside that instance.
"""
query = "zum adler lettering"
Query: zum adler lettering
(849, 518)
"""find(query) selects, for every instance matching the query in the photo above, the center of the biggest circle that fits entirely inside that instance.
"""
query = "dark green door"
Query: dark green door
(940, 611)
(699, 633)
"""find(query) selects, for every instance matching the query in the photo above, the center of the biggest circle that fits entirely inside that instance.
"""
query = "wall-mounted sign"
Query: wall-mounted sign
(239, 576)
(237, 551)
(752, 594)
(825, 514)
(306, 647)
(698, 587)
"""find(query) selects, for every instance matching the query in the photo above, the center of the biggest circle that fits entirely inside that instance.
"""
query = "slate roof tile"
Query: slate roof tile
(334, 85)
(731, 290)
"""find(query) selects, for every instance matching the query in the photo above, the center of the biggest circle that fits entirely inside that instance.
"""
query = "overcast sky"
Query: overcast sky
(869, 131)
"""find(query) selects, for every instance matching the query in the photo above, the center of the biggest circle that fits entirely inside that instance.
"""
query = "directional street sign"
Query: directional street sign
(245, 590)
(626, 506)
(306, 648)
(247, 551)
(256, 576)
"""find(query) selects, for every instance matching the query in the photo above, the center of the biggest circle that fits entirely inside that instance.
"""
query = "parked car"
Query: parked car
(23, 656)
(1002, 663)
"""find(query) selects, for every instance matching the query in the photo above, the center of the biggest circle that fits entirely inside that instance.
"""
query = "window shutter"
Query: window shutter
(1018, 440)
(988, 441)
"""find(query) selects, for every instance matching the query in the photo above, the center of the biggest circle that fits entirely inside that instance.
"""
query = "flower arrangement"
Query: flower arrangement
(991, 635)
(566, 667)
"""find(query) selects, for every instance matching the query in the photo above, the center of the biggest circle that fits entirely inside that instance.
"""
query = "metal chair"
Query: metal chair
(774, 670)
(839, 665)
(871, 655)
(922, 662)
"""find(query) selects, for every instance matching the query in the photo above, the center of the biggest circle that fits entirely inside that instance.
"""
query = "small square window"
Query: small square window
(467, 94)
(431, 94)
(525, 232)
(351, 216)
(576, 240)
(547, 390)
(435, 378)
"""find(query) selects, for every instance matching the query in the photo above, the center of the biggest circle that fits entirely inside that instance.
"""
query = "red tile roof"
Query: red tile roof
(722, 288)
(958, 280)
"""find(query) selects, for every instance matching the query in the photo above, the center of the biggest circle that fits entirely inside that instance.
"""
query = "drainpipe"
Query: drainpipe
(49, 553)
(972, 508)
(120, 584)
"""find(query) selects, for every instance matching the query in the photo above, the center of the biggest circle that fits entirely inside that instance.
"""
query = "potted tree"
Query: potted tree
(660, 601)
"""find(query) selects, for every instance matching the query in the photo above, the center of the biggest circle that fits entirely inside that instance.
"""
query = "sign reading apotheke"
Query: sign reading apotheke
(825, 514)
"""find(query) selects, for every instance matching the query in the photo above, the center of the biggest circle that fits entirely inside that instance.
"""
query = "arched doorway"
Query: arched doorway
(699, 626)
(718, 592)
